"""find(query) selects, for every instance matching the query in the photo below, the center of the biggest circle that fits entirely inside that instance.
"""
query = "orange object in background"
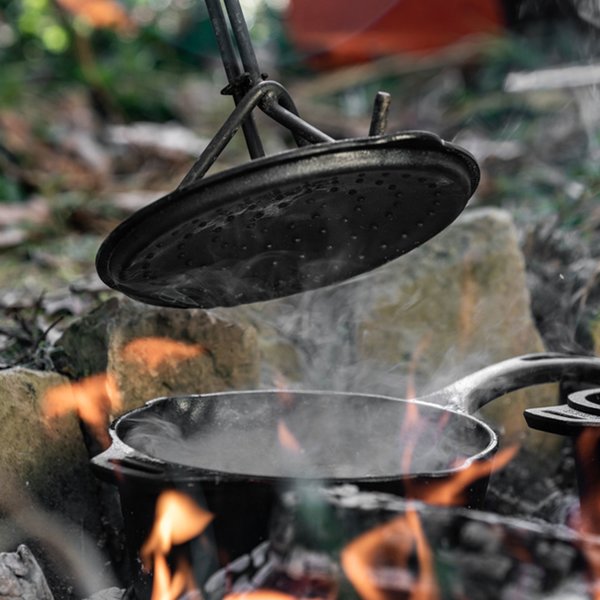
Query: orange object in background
(342, 32)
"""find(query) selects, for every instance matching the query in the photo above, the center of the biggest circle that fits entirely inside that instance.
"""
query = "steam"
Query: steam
(241, 434)
(323, 340)
(328, 334)
(588, 10)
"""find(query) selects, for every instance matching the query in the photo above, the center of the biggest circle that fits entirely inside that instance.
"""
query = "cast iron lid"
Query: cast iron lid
(291, 222)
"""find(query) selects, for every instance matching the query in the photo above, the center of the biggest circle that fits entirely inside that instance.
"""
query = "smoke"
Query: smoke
(336, 436)
(588, 10)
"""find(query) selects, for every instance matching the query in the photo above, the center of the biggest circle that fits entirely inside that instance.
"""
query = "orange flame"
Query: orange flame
(284, 395)
(287, 438)
(178, 520)
(409, 433)
(587, 448)
(469, 294)
(450, 492)
(417, 356)
(93, 399)
(412, 423)
(359, 559)
(426, 586)
(376, 563)
(154, 351)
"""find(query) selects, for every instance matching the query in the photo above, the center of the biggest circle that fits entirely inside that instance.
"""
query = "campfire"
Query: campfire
(230, 465)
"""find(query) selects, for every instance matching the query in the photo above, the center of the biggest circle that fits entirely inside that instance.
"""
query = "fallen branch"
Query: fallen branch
(553, 79)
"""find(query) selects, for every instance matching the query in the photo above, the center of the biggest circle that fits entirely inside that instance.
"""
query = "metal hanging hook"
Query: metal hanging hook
(251, 88)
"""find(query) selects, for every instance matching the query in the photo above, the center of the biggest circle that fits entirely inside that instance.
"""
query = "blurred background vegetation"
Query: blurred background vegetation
(126, 53)
(105, 103)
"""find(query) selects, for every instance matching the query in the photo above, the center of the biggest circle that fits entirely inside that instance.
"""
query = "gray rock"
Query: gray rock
(48, 492)
(461, 300)
(21, 578)
(109, 594)
(45, 455)
(153, 352)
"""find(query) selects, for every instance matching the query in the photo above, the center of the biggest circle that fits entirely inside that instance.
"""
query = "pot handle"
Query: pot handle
(113, 465)
(478, 389)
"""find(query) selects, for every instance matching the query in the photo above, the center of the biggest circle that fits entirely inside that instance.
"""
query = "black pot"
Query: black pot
(223, 450)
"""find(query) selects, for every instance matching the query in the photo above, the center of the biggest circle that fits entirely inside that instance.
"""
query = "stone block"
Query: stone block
(461, 301)
(42, 455)
(151, 352)
(21, 578)
(47, 485)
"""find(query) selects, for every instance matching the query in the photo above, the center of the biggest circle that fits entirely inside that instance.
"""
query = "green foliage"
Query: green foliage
(140, 74)
(10, 190)
(36, 21)
(512, 53)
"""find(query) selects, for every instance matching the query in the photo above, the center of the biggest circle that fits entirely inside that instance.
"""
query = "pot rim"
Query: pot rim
(122, 458)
